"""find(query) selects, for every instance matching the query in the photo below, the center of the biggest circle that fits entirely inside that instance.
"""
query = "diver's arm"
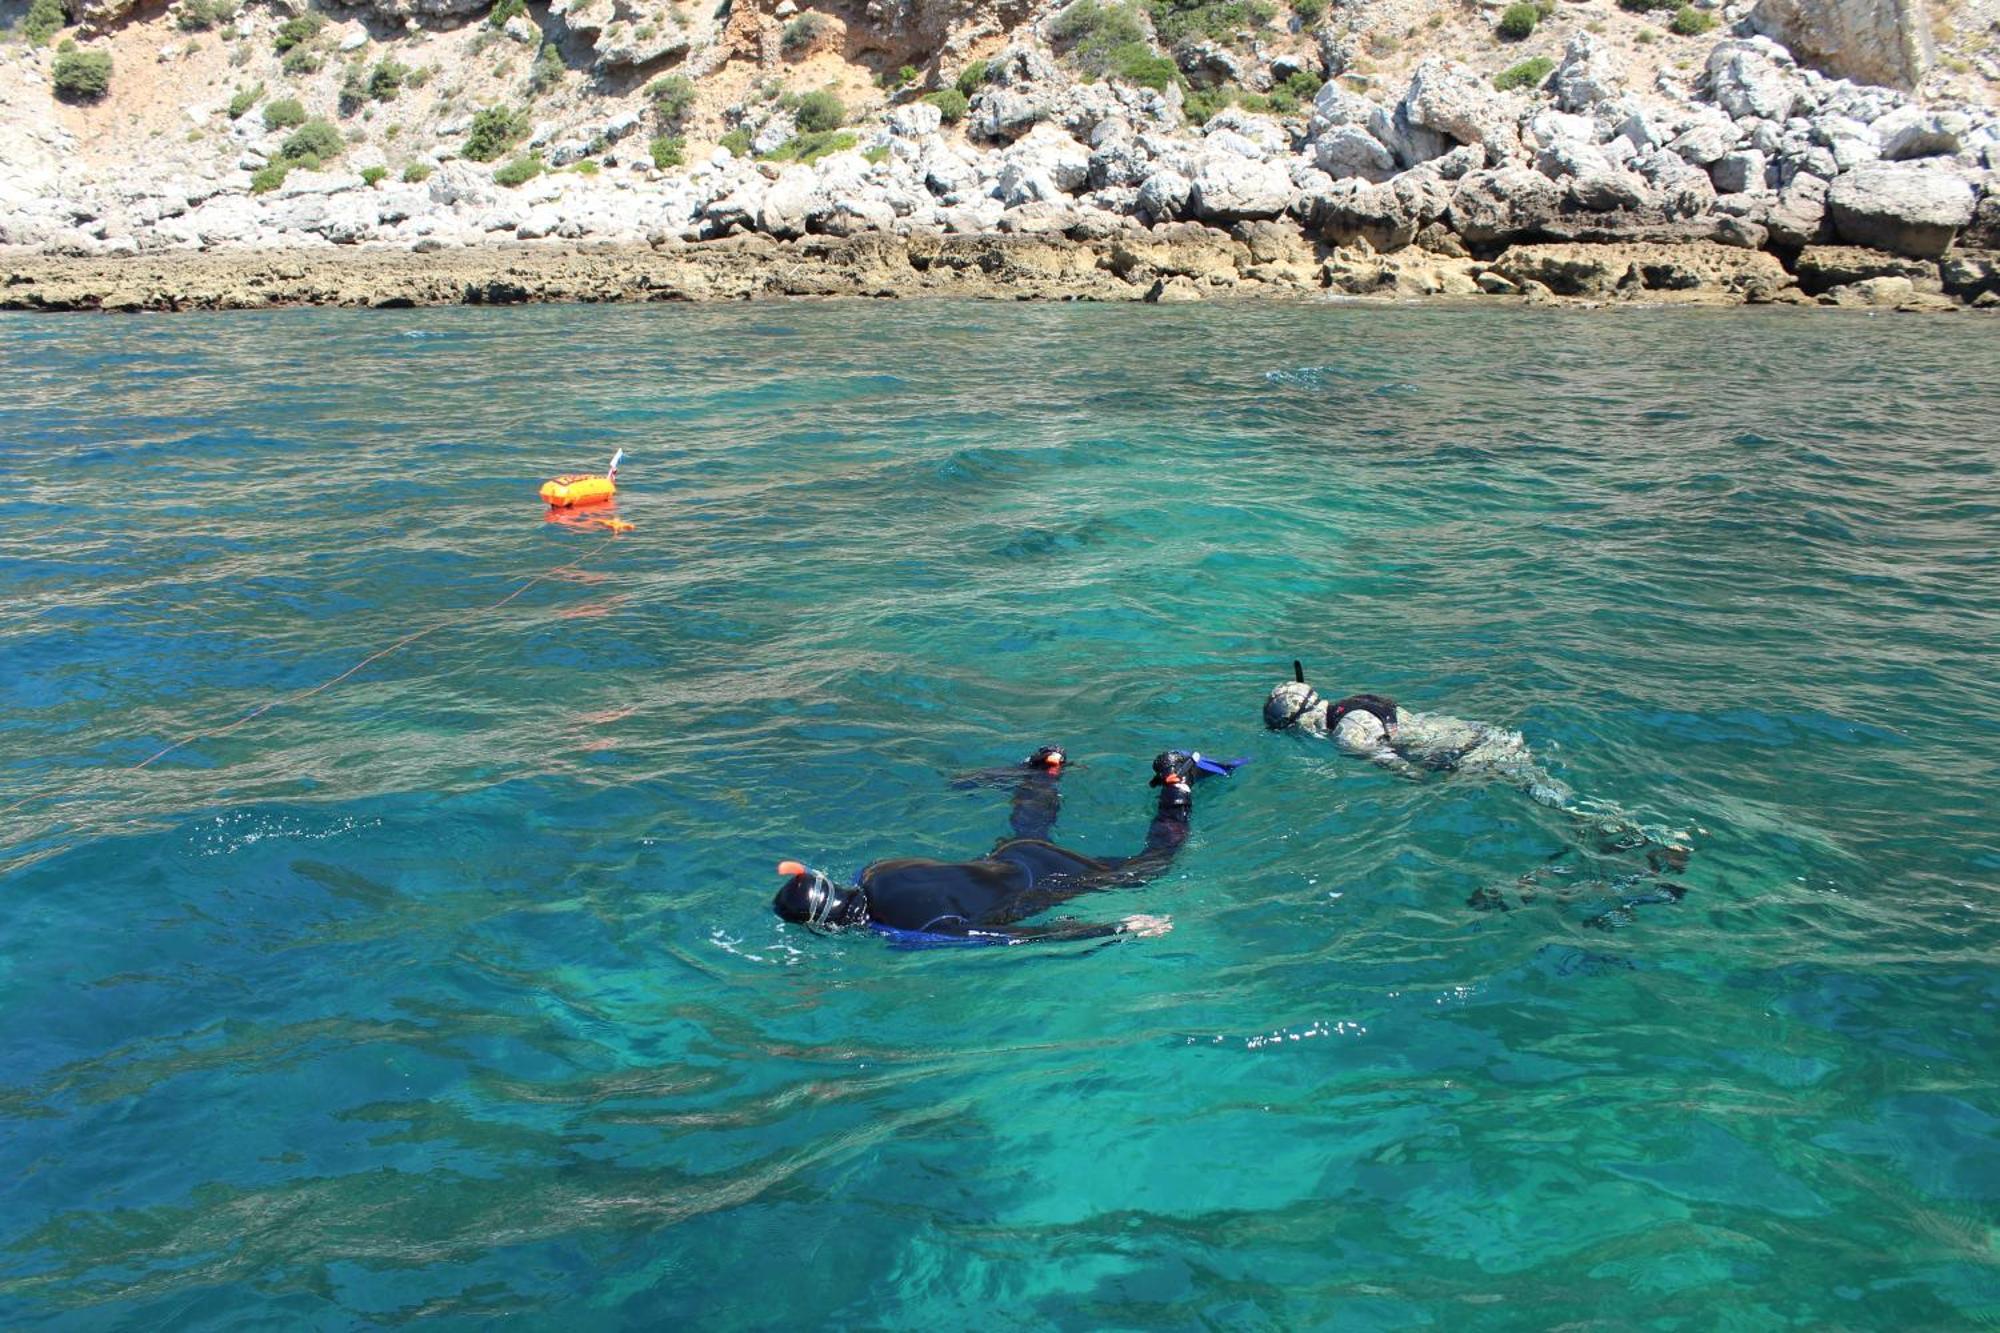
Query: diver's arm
(1060, 931)
(1395, 763)
(1164, 837)
(1037, 802)
(1365, 736)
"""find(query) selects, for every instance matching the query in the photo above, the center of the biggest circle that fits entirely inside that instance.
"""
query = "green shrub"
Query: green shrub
(1296, 91)
(201, 15)
(547, 71)
(1224, 21)
(1202, 103)
(268, 178)
(1138, 63)
(1106, 39)
(970, 78)
(802, 33)
(504, 10)
(671, 97)
(1646, 37)
(297, 32)
(951, 104)
(519, 172)
(1528, 74)
(284, 114)
(877, 155)
(386, 79)
(1647, 6)
(1310, 12)
(1091, 28)
(302, 60)
(81, 76)
(246, 98)
(811, 147)
(1518, 20)
(906, 74)
(668, 150)
(373, 175)
(1691, 22)
(311, 145)
(586, 168)
(45, 18)
(737, 141)
(818, 112)
(494, 130)
(353, 88)
(416, 173)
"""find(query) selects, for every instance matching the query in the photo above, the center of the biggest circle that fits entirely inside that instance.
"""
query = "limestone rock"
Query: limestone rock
(1821, 268)
(789, 202)
(1610, 192)
(1753, 77)
(1353, 210)
(1884, 42)
(1798, 215)
(1889, 291)
(1587, 75)
(1900, 207)
(1499, 205)
(914, 120)
(1970, 277)
(1164, 196)
(1167, 291)
(1733, 173)
(1227, 188)
(1454, 101)
(1350, 150)
(1003, 114)
(1911, 132)
(644, 38)
(1049, 152)
(1609, 270)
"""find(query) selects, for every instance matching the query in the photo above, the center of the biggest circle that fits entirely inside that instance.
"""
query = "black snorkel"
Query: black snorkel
(1305, 705)
(810, 899)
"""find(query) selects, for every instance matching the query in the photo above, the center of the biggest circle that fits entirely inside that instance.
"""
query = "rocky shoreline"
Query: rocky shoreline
(1169, 262)
(1759, 182)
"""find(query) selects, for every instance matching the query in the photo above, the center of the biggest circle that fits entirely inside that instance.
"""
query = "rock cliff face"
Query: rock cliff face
(1870, 41)
(641, 123)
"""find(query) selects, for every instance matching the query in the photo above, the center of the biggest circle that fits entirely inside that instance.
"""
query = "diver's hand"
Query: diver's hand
(1146, 927)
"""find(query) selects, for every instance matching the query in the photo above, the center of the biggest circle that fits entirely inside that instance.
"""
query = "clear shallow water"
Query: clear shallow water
(452, 993)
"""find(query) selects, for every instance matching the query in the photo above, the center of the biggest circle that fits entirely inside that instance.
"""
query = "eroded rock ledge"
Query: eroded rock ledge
(1172, 262)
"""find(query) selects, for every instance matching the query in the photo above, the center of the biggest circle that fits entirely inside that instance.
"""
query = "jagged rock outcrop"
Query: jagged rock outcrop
(1886, 42)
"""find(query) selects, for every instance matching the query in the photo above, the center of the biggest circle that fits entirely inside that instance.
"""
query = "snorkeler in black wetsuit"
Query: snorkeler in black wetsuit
(920, 902)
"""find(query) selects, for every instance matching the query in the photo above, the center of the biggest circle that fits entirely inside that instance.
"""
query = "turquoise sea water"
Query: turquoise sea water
(451, 994)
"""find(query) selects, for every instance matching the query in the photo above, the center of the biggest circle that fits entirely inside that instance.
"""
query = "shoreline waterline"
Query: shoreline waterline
(1181, 263)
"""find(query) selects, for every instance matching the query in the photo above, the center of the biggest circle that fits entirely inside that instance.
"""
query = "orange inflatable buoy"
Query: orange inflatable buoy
(565, 492)
(578, 489)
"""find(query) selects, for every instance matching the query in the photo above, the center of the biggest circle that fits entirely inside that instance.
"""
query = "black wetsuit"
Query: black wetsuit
(920, 901)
